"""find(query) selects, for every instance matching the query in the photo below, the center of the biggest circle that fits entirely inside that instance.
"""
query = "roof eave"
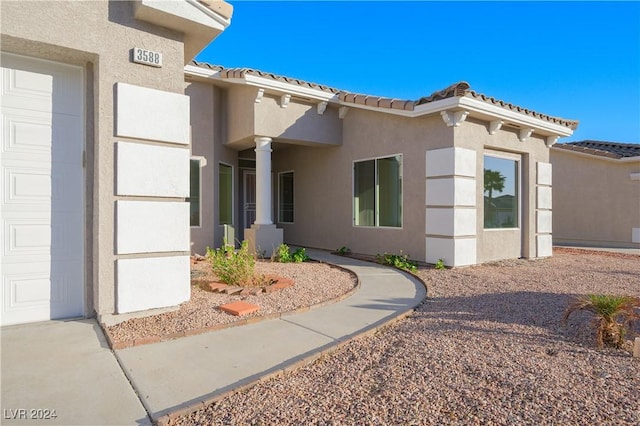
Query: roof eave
(475, 107)
(199, 24)
(263, 83)
(487, 110)
(594, 155)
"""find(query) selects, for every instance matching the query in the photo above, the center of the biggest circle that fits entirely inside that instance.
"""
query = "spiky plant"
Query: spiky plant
(613, 316)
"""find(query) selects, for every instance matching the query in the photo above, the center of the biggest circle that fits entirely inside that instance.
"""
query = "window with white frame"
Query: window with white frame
(501, 192)
(285, 197)
(377, 192)
(195, 179)
(225, 194)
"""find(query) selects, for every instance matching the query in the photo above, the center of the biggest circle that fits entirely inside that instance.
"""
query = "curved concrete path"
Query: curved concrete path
(180, 374)
(68, 367)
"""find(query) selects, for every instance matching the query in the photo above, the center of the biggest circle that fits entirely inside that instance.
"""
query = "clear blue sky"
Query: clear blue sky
(576, 60)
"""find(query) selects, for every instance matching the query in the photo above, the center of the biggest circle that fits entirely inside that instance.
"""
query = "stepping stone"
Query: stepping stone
(247, 291)
(217, 287)
(239, 308)
(232, 290)
(279, 285)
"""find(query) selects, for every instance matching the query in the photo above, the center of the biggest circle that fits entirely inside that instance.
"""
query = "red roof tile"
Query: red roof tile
(459, 89)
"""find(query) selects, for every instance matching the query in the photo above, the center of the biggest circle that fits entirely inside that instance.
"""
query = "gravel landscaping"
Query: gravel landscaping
(486, 347)
(314, 283)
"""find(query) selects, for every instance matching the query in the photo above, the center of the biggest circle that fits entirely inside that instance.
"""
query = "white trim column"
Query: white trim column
(263, 236)
(263, 181)
(451, 219)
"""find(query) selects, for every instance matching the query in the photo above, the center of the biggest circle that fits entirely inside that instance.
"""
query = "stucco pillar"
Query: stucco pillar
(263, 181)
(263, 236)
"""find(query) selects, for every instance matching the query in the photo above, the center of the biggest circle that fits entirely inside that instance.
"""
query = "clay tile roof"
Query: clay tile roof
(376, 101)
(459, 89)
(603, 149)
(572, 124)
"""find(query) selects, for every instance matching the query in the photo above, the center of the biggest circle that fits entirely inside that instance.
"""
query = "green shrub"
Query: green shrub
(400, 261)
(233, 267)
(440, 264)
(284, 255)
(342, 251)
(613, 316)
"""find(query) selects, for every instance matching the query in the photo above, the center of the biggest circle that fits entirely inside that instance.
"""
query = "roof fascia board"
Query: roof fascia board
(596, 156)
(202, 72)
(630, 159)
(283, 87)
(513, 117)
(188, 10)
(225, 22)
(424, 109)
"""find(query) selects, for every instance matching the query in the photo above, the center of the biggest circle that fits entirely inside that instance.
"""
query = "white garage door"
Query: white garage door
(42, 183)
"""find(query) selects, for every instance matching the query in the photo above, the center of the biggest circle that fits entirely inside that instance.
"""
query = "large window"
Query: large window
(194, 191)
(501, 185)
(285, 197)
(377, 192)
(225, 194)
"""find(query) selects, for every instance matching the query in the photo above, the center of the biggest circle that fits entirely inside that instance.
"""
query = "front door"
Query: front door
(42, 185)
(249, 191)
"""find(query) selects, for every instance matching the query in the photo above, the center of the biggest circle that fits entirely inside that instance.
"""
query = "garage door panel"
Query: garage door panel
(41, 294)
(65, 187)
(66, 242)
(27, 186)
(26, 89)
(42, 183)
(26, 238)
(26, 132)
(68, 150)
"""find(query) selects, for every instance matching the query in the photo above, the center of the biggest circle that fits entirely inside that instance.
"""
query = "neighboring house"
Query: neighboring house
(596, 194)
(100, 152)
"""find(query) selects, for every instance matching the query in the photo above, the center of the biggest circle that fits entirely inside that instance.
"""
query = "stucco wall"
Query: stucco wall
(208, 114)
(298, 122)
(323, 183)
(99, 36)
(507, 243)
(595, 201)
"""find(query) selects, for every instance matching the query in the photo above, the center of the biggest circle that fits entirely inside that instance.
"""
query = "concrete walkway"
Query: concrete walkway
(64, 373)
(181, 374)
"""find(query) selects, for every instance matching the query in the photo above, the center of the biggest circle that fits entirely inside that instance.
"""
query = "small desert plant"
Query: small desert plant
(613, 316)
(284, 255)
(342, 251)
(400, 261)
(440, 264)
(233, 267)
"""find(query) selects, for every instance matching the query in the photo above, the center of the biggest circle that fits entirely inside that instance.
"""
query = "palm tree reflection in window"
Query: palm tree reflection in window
(500, 193)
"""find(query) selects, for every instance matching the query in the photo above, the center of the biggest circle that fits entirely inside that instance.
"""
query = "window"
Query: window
(285, 197)
(225, 194)
(377, 192)
(194, 191)
(501, 185)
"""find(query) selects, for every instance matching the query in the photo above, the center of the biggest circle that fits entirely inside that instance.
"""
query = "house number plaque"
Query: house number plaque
(147, 57)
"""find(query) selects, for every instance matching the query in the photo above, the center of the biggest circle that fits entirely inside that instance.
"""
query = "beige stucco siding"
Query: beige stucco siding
(324, 183)
(207, 116)
(100, 36)
(298, 122)
(595, 201)
(250, 114)
(507, 243)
